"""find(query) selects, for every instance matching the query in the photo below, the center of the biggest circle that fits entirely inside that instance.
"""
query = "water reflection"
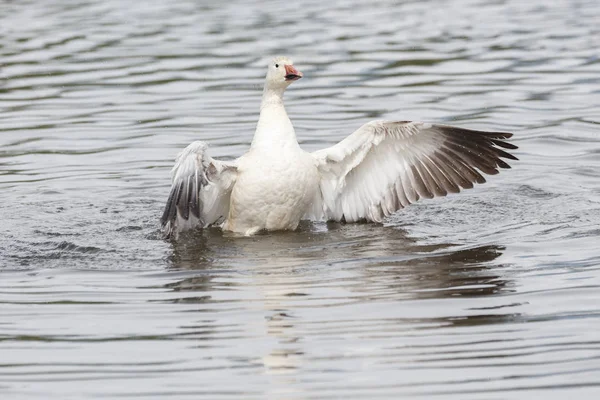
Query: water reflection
(330, 266)
(384, 260)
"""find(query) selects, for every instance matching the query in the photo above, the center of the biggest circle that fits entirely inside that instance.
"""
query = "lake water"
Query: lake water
(490, 294)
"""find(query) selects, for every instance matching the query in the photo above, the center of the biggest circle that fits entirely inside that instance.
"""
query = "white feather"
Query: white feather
(387, 165)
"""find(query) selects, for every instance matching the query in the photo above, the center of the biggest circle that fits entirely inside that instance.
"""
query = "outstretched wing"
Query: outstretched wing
(387, 165)
(200, 191)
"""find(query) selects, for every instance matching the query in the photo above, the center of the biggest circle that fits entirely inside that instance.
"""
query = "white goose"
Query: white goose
(379, 169)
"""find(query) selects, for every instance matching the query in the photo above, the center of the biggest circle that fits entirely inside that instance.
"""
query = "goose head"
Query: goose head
(281, 73)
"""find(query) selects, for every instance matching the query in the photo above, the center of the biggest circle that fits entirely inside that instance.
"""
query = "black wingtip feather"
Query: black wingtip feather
(503, 164)
(484, 147)
(506, 145)
(170, 211)
(194, 200)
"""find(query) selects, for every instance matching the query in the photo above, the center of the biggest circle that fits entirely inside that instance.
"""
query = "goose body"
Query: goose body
(272, 191)
(379, 169)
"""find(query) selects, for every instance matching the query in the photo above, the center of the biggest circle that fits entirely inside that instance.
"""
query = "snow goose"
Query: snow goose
(382, 167)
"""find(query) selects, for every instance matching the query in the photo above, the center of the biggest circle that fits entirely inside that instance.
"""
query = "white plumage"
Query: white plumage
(380, 168)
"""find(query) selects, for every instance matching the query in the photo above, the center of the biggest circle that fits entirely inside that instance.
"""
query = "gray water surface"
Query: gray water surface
(490, 294)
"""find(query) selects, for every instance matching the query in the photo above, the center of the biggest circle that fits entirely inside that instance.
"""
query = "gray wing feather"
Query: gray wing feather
(200, 191)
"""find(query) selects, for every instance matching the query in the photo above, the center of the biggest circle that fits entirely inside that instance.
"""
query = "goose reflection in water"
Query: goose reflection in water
(326, 267)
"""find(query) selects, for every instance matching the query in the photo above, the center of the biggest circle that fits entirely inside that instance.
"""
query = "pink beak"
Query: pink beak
(291, 73)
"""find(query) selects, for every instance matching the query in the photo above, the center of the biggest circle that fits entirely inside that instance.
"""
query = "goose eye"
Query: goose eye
(276, 65)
